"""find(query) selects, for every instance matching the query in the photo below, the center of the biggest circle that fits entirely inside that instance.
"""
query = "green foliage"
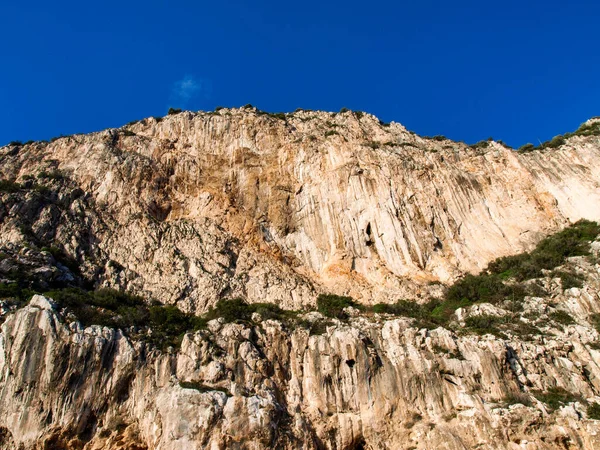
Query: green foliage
(231, 310)
(115, 309)
(333, 305)
(331, 133)
(593, 411)
(481, 144)
(359, 114)
(344, 110)
(595, 321)
(400, 308)
(315, 328)
(9, 186)
(556, 397)
(561, 317)
(480, 288)
(568, 280)
(439, 137)
(549, 253)
(173, 111)
(484, 324)
(373, 144)
(527, 148)
(15, 143)
(14, 291)
(52, 175)
(248, 106)
(592, 129)
(219, 108)
(555, 142)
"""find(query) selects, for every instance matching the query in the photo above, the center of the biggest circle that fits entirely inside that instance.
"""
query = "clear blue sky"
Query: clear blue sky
(515, 70)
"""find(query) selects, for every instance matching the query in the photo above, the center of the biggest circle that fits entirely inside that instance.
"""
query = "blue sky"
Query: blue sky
(517, 71)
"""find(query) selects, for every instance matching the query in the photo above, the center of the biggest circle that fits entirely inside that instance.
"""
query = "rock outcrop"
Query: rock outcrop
(197, 207)
(374, 382)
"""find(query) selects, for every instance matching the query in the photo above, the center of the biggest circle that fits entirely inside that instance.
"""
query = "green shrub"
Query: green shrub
(315, 328)
(400, 308)
(343, 110)
(231, 310)
(483, 288)
(592, 129)
(52, 175)
(331, 133)
(333, 305)
(173, 111)
(568, 280)
(484, 324)
(551, 252)
(555, 142)
(480, 144)
(556, 397)
(562, 317)
(527, 148)
(15, 143)
(593, 411)
(359, 114)
(9, 186)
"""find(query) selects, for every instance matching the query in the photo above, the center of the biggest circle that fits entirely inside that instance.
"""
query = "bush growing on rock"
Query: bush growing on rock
(333, 305)
(593, 411)
(555, 397)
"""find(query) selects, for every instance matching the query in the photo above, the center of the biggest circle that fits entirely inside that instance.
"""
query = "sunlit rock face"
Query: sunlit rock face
(196, 207)
(369, 383)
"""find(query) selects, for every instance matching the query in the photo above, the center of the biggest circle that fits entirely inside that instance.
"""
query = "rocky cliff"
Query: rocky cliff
(192, 207)
(197, 207)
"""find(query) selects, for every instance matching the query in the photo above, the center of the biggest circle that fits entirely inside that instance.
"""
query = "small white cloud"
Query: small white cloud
(186, 89)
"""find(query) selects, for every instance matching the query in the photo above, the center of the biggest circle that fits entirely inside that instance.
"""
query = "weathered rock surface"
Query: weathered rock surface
(197, 206)
(370, 383)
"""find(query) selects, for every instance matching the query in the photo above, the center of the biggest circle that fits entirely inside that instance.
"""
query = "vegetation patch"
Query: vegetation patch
(9, 186)
(333, 305)
(551, 252)
(593, 411)
(590, 129)
(562, 317)
(556, 397)
(568, 280)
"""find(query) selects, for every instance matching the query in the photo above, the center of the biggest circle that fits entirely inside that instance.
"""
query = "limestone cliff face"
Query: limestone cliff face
(372, 383)
(199, 205)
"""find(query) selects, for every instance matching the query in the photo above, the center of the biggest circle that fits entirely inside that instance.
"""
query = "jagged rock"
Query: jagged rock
(202, 206)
